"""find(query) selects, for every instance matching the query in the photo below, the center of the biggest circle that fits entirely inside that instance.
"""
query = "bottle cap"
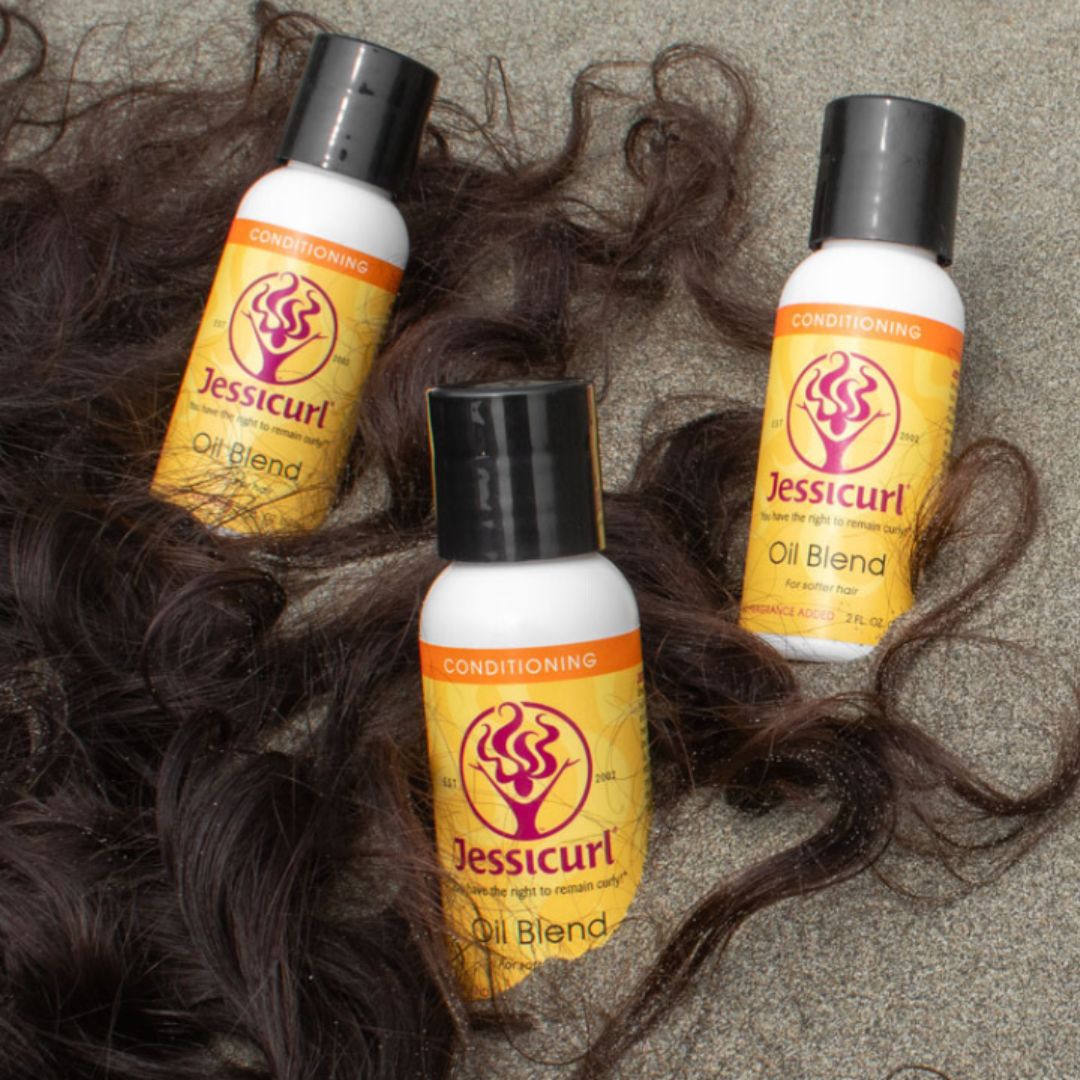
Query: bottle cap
(359, 110)
(889, 170)
(516, 470)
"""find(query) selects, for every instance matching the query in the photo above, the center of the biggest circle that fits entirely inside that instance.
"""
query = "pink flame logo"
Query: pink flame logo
(526, 769)
(840, 401)
(283, 328)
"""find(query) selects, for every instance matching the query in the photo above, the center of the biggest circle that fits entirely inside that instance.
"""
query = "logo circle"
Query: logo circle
(843, 413)
(526, 769)
(283, 329)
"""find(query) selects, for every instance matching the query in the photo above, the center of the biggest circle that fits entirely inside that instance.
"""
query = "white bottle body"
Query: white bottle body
(868, 274)
(519, 605)
(308, 199)
(875, 273)
(526, 663)
(266, 409)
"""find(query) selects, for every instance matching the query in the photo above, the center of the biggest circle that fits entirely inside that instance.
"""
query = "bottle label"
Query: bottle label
(858, 421)
(267, 406)
(540, 774)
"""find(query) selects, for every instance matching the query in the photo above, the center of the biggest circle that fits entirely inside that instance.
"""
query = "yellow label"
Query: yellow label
(540, 773)
(267, 406)
(858, 421)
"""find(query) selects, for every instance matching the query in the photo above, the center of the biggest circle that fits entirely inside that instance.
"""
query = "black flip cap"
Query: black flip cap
(516, 470)
(890, 170)
(360, 110)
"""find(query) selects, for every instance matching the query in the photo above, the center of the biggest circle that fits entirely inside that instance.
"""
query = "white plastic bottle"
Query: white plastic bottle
(533, 688)
(267, 406)
(862, 384)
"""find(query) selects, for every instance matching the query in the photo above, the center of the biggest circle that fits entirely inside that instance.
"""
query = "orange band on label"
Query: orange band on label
(876, 324)
(553, 664)
(315, 250)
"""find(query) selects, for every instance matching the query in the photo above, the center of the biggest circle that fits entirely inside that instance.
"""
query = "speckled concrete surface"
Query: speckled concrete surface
(857, 981)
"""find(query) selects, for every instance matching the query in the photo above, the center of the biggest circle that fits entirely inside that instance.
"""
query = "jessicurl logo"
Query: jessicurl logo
(525, 769)
(283, 328)
(843, 414)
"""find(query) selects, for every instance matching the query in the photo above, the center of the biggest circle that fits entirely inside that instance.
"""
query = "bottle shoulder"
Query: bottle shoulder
(330, 206)
(528, 604)
(872, 273)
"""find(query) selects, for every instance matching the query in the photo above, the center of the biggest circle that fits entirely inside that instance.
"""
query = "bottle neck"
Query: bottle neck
(303, 166)
(550, 560)
(882, 246)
